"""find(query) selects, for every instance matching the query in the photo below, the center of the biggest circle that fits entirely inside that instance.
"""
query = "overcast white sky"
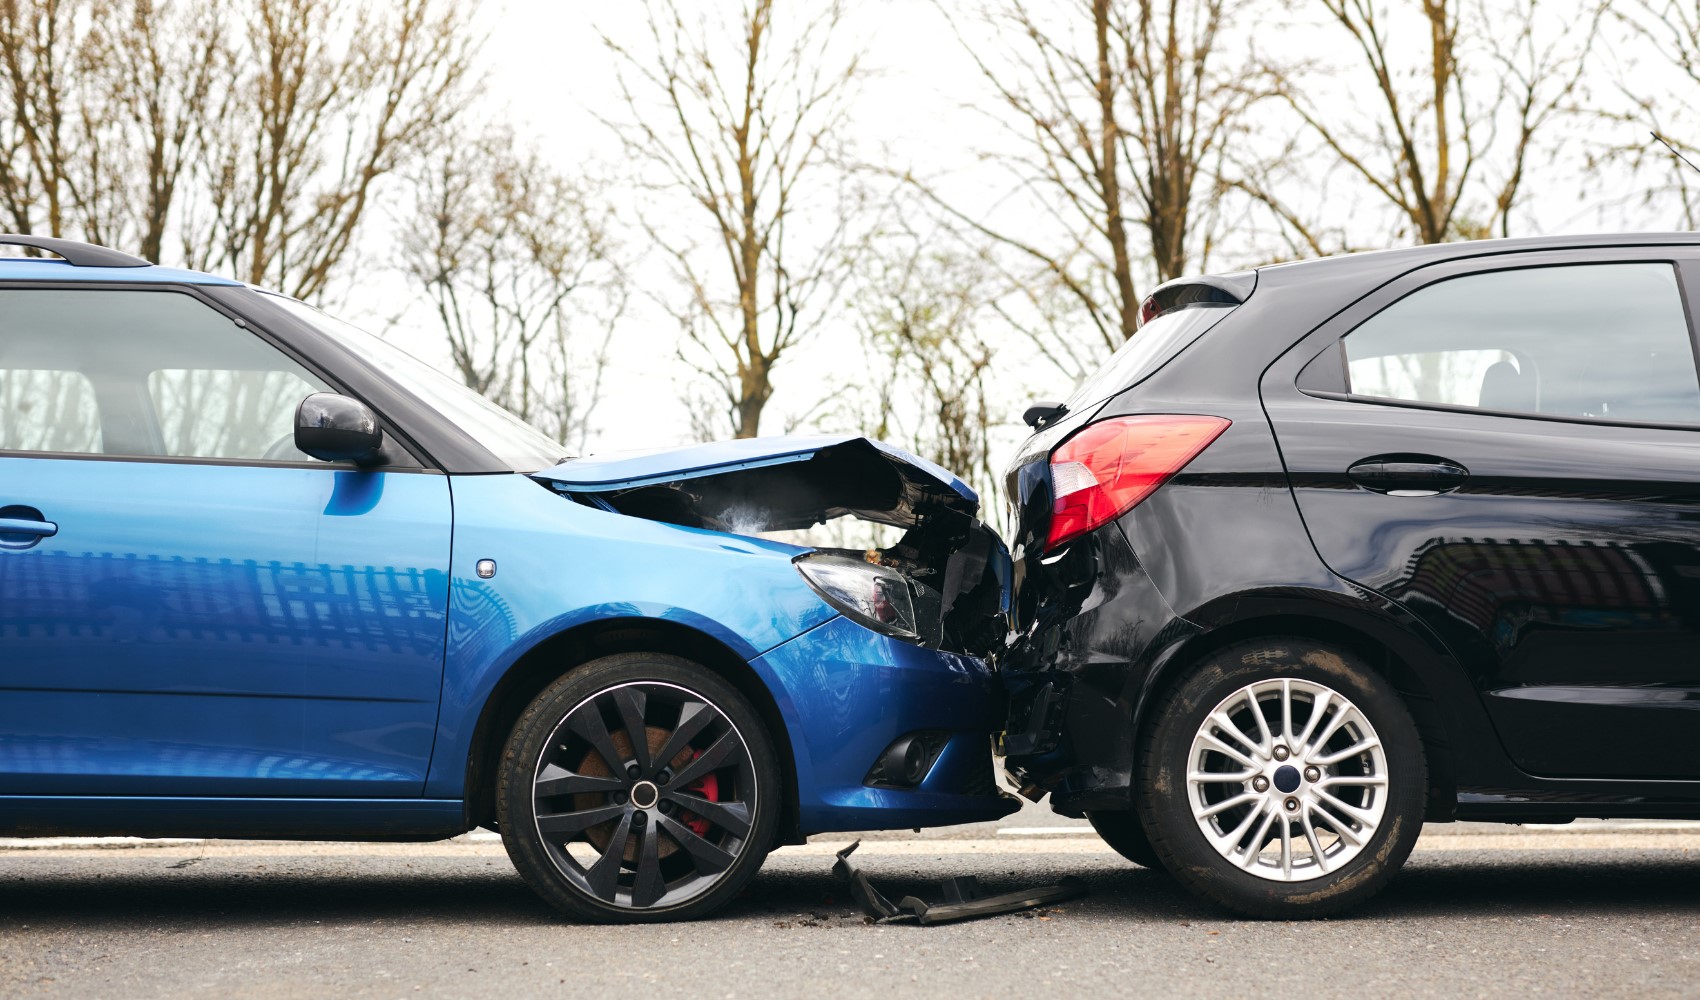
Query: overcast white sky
(548, 68)
(551, 67)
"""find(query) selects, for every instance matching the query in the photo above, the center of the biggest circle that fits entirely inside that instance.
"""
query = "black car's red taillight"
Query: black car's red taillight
(1108, 467)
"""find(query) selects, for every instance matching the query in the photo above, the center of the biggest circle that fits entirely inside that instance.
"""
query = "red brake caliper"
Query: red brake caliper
(707, 786)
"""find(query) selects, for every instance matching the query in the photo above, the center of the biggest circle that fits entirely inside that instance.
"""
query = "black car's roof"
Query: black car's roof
(1291, 300)
(1437, 252)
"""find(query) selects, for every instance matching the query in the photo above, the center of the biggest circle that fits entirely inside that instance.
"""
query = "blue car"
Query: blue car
(263, 575)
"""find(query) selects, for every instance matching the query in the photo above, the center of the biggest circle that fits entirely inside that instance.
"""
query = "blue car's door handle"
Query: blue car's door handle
(25, 526)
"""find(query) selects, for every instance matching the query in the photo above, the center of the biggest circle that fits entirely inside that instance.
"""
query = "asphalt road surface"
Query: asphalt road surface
(1608, 911)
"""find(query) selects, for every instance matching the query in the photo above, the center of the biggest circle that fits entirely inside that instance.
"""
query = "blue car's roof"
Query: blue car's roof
(624, 470)
(47, 269)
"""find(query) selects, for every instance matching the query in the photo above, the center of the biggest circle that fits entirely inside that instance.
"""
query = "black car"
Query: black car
(1334, 548)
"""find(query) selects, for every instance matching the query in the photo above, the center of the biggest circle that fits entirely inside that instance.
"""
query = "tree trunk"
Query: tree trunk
(1108, 180)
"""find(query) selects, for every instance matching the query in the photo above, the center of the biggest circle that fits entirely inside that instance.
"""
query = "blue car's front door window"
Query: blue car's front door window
(230, 618)
(48, 410)
(145, 374)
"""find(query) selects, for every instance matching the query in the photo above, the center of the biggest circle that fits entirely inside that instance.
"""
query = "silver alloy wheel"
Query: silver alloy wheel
(1287, 779)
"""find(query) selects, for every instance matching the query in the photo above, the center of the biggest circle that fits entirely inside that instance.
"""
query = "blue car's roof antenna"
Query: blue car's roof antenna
(76, 253)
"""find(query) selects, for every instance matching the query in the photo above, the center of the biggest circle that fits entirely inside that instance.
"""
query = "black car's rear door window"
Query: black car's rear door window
(1603, 342)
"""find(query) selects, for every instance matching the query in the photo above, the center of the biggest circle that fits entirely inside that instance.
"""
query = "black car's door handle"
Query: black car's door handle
(1408, 475)
(26, 526)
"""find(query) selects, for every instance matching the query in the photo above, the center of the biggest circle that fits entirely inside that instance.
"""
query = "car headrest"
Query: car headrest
(1505, 388)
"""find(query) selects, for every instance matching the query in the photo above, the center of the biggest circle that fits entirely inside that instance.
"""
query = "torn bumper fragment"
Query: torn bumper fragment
(963, 897)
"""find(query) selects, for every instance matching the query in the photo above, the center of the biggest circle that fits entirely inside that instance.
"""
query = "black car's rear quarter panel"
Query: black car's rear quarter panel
(1217, 554)
(1539, 490)
(1111, 615)
(1223, 553)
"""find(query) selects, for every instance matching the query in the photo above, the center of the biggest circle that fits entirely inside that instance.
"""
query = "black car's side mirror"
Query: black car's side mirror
(1040, 414)
(335, 428)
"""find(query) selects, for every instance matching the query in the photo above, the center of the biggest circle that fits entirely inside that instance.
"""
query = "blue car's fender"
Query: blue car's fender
(562, 564)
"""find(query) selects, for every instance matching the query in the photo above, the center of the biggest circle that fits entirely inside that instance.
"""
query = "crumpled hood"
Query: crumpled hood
(768, 484)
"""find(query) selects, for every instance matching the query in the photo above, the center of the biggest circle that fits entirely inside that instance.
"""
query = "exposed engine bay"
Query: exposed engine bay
(944, 583)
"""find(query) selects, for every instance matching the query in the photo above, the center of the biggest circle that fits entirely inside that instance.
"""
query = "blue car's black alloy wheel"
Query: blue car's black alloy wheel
(638, 787)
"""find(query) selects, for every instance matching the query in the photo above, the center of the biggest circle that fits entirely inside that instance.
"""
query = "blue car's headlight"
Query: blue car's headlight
(875, 596)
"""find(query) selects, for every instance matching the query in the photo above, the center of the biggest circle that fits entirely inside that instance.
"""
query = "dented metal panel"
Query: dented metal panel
(769, 484)
(958, 570)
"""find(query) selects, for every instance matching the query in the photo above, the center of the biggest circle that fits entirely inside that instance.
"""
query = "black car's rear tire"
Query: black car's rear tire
(1125, 835)
(1306, 813)
(639, 787)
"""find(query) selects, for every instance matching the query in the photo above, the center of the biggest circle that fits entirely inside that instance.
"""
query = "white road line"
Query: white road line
(45, 842)
(1047, 831)
(1580, 827)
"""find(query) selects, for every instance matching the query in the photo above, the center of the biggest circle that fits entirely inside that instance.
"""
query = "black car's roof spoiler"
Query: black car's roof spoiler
(1221, 289)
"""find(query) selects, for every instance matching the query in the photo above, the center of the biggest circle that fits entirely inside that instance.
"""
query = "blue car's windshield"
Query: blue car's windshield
(516, 443)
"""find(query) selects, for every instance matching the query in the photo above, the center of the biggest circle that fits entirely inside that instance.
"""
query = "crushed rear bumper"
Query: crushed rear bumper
(1091, 623)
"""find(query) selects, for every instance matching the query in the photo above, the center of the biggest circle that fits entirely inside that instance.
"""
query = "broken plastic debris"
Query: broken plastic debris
(964, 897)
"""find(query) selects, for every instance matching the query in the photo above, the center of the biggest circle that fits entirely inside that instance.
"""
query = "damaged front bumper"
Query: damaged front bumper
(889, 717)
(851, 695)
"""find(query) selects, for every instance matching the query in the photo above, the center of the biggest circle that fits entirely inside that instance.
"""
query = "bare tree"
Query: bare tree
(1120, 110)
(1449, 152)
(741, 114)
(1665, 33)
(98, 108)
(252, 134)
(39, 47)
(328, 98)
(920, 309)
(520, 270)
(164, 57)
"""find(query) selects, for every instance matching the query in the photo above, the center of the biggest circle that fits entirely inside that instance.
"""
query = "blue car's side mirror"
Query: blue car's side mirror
(336, 428)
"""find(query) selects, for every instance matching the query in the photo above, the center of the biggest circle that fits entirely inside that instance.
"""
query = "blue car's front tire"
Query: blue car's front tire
(638, 787)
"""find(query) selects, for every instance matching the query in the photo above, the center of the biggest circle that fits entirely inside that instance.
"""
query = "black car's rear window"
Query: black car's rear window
(1148, 350)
